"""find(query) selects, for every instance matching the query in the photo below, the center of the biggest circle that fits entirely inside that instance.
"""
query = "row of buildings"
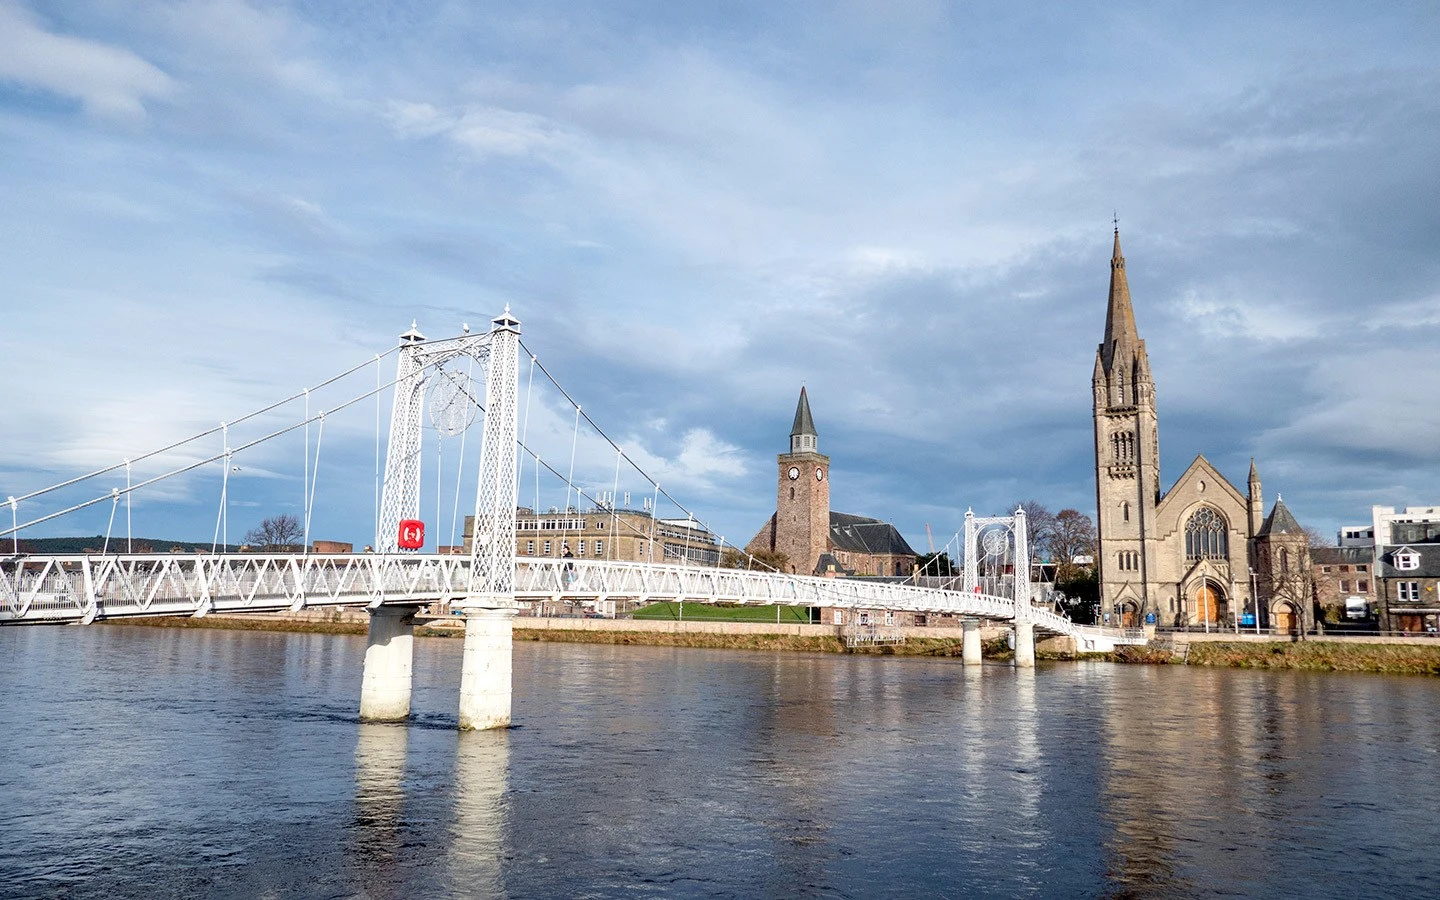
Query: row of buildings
(1202, 553)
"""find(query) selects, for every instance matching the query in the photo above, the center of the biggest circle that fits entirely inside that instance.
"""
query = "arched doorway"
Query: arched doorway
(1287, 618)
(1129, 615)
(1209, 603)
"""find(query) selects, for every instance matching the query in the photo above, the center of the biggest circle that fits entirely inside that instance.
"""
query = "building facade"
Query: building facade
(1407, 567)
(609, 534)
(1181, 557)
(813, 539)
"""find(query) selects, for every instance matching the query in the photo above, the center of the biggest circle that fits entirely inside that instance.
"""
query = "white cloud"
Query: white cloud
(110, 82)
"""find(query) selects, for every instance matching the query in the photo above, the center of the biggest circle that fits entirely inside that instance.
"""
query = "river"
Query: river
(148, 762)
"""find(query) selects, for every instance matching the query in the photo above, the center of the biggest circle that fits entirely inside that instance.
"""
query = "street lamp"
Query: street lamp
(1255, 597)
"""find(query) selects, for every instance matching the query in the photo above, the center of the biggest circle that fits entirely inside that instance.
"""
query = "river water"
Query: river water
(148, 762)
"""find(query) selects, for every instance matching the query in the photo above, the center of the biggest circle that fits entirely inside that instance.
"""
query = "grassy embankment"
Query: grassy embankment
(1318, 656)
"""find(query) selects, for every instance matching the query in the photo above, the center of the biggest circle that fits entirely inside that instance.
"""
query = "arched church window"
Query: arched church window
(1125, 510)
(1205, 535)
(1284, 560)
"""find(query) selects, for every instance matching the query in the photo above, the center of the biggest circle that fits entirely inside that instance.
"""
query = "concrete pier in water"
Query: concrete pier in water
(485, 668)
(970, 642)
(1025, 645)
(389, 653)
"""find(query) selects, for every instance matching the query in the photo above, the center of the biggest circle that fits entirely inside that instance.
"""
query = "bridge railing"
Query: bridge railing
(84, 588)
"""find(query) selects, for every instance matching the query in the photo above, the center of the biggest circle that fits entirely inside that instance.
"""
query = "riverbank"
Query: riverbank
(1311, 655)
(1393, 656)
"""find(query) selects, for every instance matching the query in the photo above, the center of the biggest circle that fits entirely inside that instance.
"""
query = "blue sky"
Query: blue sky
(905, 206)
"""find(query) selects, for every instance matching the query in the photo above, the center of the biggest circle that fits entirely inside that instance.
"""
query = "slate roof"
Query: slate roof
(860, 534)
(804, 424)
(1429, 562)
(1339, 556)
(1280, 521)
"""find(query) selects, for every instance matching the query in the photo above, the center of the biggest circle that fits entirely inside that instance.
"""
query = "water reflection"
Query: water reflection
(380, 750)
(478, 845)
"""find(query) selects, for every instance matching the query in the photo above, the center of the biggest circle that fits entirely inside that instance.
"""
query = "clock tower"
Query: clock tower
(802, 500)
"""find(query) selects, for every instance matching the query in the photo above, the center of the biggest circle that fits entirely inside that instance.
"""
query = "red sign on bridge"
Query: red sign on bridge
(412, 534)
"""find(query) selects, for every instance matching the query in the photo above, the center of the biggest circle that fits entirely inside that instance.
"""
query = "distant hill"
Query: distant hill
(65, 546)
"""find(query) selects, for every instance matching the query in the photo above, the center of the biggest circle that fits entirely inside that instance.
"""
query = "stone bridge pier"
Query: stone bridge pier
(485, 670)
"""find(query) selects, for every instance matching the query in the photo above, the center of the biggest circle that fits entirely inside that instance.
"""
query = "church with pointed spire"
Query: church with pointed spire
(1195, 554)
(812, 538)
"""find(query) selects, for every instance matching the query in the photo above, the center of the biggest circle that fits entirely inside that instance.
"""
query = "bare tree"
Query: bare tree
(282, 532)
(1040, 525)
(1316, 539)
(1073, 536)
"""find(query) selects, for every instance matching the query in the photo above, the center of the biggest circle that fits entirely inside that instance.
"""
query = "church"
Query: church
(814, 539)
(1198, 554)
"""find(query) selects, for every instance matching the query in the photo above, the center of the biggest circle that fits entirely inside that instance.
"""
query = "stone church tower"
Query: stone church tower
(1127, 451)
(802, 499)
(1178, 557)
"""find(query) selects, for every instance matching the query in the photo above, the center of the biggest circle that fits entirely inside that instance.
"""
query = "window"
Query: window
(1363, 585)
(547, 548)
(1285, 561)
(1125, 510)
(580, 544)
(1344, 568)
(1406, 561)
(599, 548)
(839, 617)
(1325, 569)
(1345, 585)
(1128, 561)
(530, 548)
(1122, 446)
(1362, 568)
(889, 617)
(1409, 590)
(1205, 535)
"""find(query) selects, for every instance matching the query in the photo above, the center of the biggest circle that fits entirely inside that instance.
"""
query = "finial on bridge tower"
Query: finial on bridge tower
(413, 336)
(505, 321)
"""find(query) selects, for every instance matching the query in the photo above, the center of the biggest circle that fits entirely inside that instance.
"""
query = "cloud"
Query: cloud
(110, 82)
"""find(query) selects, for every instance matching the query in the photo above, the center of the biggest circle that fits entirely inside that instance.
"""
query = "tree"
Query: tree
(1316, 539)
(760, 561)
(1073, 535)
(282, 532)
(1040, 527)
(935, 563)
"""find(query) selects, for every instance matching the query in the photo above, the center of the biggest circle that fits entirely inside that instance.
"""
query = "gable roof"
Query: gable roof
(1198, 467)
(861, 534)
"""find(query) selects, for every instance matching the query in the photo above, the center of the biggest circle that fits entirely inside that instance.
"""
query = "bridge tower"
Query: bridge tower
(489, 604)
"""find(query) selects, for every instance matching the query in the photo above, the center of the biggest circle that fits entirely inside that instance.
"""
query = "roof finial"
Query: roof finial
(1115, 218)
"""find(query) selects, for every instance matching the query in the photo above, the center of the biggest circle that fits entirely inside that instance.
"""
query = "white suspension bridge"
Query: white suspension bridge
(488, 583)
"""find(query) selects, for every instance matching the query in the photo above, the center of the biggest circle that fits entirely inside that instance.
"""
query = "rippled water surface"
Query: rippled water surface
(163, 762)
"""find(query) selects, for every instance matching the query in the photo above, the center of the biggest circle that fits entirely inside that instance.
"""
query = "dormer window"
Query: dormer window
(1407, 560)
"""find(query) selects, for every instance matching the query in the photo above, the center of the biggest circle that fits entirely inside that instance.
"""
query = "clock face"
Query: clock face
(794, 472)
(819, 474)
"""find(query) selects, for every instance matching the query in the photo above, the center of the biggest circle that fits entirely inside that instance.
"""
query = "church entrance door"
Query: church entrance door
(1129, 616)
(1207, 604)
(1286, 622)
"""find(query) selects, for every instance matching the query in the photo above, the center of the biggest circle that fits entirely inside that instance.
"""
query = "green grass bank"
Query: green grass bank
(1315, 656)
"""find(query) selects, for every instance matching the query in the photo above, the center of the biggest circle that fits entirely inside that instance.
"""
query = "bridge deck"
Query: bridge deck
(87, 588)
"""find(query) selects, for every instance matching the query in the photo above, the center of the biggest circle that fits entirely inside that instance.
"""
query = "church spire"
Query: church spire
(1121, 336)
(802, 434)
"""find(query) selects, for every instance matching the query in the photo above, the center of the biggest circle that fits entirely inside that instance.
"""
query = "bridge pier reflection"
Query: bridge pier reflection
(485, 668)
(389, 653)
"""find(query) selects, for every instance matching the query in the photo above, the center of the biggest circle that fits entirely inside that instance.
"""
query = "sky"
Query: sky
(695, 209)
